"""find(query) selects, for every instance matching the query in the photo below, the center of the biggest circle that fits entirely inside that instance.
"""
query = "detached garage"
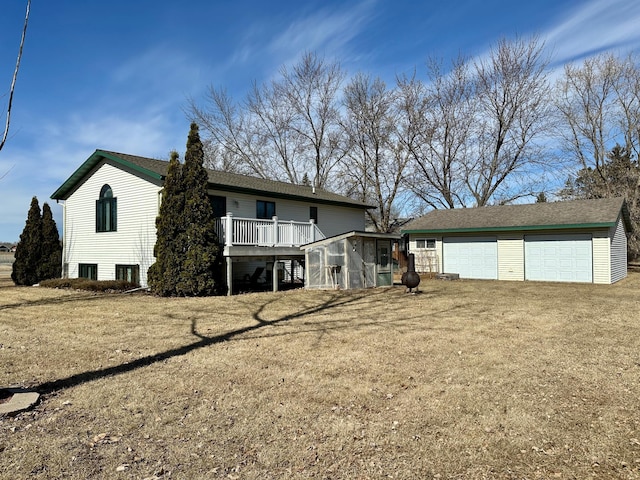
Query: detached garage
(578, 241)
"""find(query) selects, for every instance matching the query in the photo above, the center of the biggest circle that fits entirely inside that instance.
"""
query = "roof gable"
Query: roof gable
(218, 180)
(537, 216)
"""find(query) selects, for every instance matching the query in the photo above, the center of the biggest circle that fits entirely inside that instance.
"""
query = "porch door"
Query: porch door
(383, 260)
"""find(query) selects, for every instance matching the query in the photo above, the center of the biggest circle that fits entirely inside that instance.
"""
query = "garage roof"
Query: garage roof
(597, 213)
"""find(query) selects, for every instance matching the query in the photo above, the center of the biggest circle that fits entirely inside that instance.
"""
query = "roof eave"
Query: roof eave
(62, 193)
(287, 196)
(518, 228)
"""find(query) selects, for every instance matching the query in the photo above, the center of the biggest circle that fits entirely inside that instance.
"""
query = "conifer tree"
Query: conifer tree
(51, 260)
(164, 274)
(201, 270)
(28, 250)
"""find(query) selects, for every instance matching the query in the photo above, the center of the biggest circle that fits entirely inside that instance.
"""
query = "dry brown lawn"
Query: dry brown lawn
(468, 379)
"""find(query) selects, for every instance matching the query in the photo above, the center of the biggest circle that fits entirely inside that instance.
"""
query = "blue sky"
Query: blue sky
(116, 75)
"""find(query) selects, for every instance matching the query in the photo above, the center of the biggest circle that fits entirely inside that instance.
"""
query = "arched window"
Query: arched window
(106, 211)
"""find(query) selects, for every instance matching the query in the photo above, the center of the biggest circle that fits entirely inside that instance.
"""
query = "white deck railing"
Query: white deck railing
(266, 233)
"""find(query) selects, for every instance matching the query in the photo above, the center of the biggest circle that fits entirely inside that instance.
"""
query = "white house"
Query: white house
(576, 241)
(110, 204)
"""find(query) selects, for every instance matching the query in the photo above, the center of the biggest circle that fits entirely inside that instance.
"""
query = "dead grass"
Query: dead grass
(467, 379)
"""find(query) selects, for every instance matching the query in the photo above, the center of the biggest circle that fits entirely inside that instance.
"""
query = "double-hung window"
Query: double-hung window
(106, 211)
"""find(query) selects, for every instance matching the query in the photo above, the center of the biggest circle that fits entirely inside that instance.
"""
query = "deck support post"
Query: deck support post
(229, 275)
(274, 274)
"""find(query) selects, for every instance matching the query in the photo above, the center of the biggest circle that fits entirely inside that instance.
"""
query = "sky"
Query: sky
(117, 75)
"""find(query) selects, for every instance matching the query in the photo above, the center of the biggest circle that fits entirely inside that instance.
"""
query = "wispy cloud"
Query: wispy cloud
(593, 27)
(266, 47)
(323, 30)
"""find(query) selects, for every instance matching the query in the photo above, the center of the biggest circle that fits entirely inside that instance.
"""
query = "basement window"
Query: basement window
(88, 270)
(128, 273)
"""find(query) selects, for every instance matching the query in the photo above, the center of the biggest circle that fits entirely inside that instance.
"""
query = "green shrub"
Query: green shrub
(108, 286)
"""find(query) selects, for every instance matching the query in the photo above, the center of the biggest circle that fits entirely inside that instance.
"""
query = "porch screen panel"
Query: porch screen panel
(336, 263)
(369, 256)
(356, 265)
(315, 274)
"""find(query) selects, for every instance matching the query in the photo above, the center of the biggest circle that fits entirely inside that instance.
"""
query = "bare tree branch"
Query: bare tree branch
(374, 166)
(15, 76)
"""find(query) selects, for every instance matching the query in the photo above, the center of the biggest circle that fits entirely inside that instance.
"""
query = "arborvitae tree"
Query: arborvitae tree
(29, 248)
(51, 260)
(201, 270)
(164, 274)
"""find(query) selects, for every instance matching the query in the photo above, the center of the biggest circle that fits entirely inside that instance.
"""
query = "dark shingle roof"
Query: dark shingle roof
(537, 216)
(218, 180)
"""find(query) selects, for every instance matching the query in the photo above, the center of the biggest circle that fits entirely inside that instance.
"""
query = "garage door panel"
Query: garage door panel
(471, 257)
(563, 258)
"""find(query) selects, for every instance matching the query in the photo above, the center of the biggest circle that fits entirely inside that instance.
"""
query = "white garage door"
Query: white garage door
(471, 257)
(558, 258)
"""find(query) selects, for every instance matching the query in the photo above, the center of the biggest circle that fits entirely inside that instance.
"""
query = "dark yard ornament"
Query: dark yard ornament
(410, 278)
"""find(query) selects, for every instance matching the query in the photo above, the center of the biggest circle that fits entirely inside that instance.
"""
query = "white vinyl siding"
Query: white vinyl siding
(471, 257)
(511, 255)
(601, 257)
(559, 258)
(618, 252)
(131, 244)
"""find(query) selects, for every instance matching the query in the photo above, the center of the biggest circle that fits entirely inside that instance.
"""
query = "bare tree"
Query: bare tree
(284, 129)
(599, 108)
(471, 130)
(14, 78)
(512, 106)
(281, 147)
(599, 111)
(311, 88)
(374, 165)
(586, 102)
(229, 145)
(436, 132)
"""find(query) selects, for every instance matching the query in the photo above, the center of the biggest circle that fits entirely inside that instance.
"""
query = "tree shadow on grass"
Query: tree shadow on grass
(51, 301)
(334, 300)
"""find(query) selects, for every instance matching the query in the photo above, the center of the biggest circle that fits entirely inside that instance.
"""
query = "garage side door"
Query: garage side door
(471, 257)
(559, 258)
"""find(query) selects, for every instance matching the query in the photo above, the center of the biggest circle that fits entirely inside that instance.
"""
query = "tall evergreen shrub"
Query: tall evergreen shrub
(51, 260)
(164, 274)
(29, 249)
(188, 256)
(201, 272)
